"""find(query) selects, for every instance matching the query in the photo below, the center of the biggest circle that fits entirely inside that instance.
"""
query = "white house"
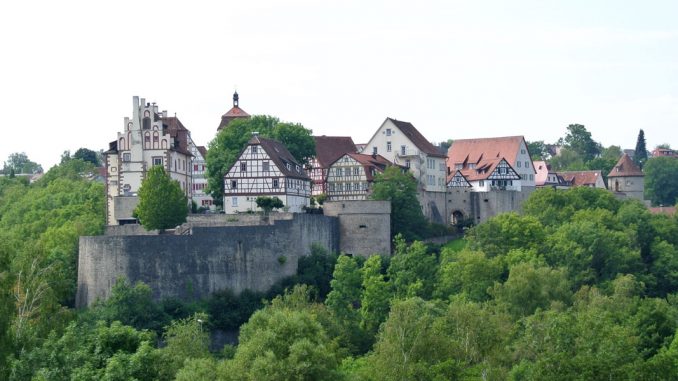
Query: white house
(149, 138)
(265, 168)
(402, 144)
(198, 171)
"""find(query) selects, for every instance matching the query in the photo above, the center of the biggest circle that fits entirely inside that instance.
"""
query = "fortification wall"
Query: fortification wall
(364, 226)
(210, 259)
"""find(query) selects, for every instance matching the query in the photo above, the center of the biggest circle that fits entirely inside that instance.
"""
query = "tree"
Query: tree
(661, 180)
(401, 189)
(507, 231)
(538, 150)
(578, 139)
(162, 203)
(20, 163)
(413, 269)
(267, 204)
(226, 146)
(469, 274)
(374, 302)
(606, 161)
(185, 339)
(640, 156)
(87, 155)
(344, 301)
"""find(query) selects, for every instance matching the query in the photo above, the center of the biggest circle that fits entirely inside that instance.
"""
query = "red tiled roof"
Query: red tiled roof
(482, 171)
(378, 162)
(579, 178)
(330, 148)
(625, 167)
(176, 130)
(668, 210)
(234, 113)
(473, 150)
(416, 137)
(281, 157)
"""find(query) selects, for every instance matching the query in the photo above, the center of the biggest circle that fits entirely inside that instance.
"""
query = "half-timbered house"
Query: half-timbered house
(265, 168)
(351, 176)
(488, 175)
(328, 149)
(457, 180)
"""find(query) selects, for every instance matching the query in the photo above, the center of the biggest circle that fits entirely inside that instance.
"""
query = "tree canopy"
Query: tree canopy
(18, 163)
(226, 146)
(401, 189)
(162, 203)
(661, 180)
(640, 156)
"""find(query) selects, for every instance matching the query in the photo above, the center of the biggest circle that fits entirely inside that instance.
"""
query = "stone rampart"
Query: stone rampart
(209, 259)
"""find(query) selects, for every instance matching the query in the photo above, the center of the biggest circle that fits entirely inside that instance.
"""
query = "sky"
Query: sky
(454, 69)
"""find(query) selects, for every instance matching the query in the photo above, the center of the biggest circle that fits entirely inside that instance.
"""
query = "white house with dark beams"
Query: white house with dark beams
(457, 180)
(351, 176)
(265, 168)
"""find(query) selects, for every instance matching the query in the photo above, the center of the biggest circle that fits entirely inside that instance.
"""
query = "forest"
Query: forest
(578, 286)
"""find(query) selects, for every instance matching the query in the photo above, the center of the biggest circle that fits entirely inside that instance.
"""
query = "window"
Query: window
(519, 164)
(254, 149)
(147, 140)
(459, 166)
(374, 150)
(234, 201)
(296, 167)
(339, 171)
(289, 166)
(157, 161)
(522, 151)
(332, 187)
(356, 186)
(195, 167)
(356, 171)
(243, 166)
(407, 163)
(276, 184)
(265, 166)
(471, 165)
(481, 183)
(234, 184)
(403, 150)
(388, 146)
(347, 171)
(126, 156)
(527, 164)
(388, 132)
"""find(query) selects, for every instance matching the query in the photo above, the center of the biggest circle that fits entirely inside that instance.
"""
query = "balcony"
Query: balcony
(407, 152)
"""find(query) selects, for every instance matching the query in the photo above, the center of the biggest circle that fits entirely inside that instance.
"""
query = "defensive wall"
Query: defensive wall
(480, 206)
(206, 260)
(237, 252)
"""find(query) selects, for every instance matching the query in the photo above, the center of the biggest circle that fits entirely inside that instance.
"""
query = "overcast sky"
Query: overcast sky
(455, 69)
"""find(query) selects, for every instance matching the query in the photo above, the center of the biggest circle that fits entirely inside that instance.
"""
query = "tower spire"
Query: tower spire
(235, 99)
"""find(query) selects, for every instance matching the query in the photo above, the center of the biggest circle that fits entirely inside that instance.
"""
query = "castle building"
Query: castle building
(265, 168)
(234, 113)
(626, 179)
(351, 176)
(328, 149)
(478, 158)
(149, 138)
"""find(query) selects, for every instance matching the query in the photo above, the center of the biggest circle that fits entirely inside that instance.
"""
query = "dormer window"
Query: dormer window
(289, 167)
(254, 149)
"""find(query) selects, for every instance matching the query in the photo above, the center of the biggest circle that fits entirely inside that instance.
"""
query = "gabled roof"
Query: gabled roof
(176, 130)
(203, 151)
(625, 167)
(475, 150)
(416, 137)
(281, 157)
(377, 162)
(458, 172)
(484, 169)
(330, 148)
(580, 178)
(234, 113)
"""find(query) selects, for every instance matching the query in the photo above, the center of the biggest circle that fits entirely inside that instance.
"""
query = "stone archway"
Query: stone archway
(456, 217)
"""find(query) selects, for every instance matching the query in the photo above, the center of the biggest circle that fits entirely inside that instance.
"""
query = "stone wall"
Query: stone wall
(364, 226)
(480, 206)
(210, 259)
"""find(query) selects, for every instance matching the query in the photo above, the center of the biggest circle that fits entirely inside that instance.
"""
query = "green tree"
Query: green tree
(412, 271)
(185, 339)
(568, 160)
(469, 274)
(538, 150)
(578, 139)
(344, 302)
(20, 163)
(505, 232)
(401, 189)
(640, 156)
(87, 155)
(162, 203)
(606, 161)
(661, 180)
(267, 204)
(226, 146)
(374, 303)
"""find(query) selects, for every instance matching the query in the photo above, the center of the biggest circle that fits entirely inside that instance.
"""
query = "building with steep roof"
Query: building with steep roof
(478, 158)
(402, 144)
(593, 179)
(199, 171)
(626, 179)
(350, 177)
(234, 113)
(328, 149)
(664, 152)
(265, 168)
(545, 177)
(149, 138)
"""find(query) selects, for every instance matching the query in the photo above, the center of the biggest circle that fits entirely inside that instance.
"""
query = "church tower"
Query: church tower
(234, 113)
